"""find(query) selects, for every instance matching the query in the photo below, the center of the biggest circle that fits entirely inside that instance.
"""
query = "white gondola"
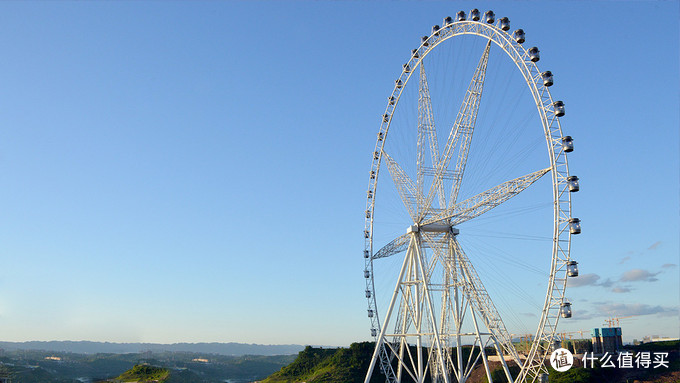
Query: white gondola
(381, 135)
(572, 183)
(534, 54)
(386, 117)
(435, 30)
(372, 175)
(504, 23)
(460, 16)
(368, 293)
(424, 40)
(567, 144)
(370, 313)
(518, 35)
(474, 14)
(447, 20)
(391, 100)
(407, 68)
(547, 77)
(574, 226)
(565, 310)
(366, 234)
(489, 17)
(368, 214)
(374, 332)
(376, 155)
(399, 83)
(414, 53)
(366, 254)
(572, 269)
(559, 108)
(367, 274)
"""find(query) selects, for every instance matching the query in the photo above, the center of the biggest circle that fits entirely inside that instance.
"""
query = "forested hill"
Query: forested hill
(316, 365)
(84, 347)
(328, 365)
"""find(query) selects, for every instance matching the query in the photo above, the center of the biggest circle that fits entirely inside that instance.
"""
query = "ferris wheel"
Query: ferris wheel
(452, 212)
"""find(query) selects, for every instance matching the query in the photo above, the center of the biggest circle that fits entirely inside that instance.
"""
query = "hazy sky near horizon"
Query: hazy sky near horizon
(196, 171)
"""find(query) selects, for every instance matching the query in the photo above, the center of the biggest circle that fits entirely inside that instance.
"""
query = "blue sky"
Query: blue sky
(196, 171)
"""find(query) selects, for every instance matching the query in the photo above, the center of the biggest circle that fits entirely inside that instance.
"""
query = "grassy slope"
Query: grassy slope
(144, 373)
(327, 365)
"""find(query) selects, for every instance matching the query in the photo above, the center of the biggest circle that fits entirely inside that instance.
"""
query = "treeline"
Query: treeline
(349, 365)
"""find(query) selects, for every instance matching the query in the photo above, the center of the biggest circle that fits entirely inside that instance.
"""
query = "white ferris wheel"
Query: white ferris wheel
(470, 196)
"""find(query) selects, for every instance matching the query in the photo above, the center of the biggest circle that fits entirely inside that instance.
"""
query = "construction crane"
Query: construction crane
(524, 341)
(569, 333)
(615, 319)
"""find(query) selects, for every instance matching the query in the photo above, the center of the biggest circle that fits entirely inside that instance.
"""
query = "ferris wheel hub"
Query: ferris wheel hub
(433, 228)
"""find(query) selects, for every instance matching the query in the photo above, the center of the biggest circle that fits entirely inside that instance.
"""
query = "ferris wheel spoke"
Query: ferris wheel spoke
(469, 111)
(395, 246)
(405, 186)
(479, 297)
(487, 200)
(462, 129)
(426, 127)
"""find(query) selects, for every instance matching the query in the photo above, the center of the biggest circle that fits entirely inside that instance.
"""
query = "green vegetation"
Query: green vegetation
(316, 365)
(312, 365)
(327, 365)
(347, 365)
(498, 375)
(143, 373)
(32, 367)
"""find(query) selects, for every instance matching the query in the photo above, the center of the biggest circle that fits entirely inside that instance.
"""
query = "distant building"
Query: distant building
(606, 339)
(656, 338)
(597, 341)
(200, 360)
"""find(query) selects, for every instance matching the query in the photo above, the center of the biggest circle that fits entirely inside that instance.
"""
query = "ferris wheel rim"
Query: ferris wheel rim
(553, 133)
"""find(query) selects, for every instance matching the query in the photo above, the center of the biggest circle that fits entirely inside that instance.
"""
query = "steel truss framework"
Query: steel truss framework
(428, 335)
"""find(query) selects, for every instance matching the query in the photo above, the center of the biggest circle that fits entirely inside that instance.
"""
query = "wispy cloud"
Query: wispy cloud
(654, 245)
(584, 280)
(669, 266)
(626, 309)
(639, 275)
(626, 258)
(621, 290)
(590, 279)
(578, 314)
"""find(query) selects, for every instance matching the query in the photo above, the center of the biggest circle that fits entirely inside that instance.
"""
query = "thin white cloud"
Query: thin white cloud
(669, 266)
(638, 275)
(626, 258)
(621, 290)
(634, 309)
(584, 280)
(590, 279)
(578, 314)
(654, 245)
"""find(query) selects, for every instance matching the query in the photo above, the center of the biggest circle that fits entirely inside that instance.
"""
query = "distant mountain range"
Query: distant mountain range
(86, 347)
